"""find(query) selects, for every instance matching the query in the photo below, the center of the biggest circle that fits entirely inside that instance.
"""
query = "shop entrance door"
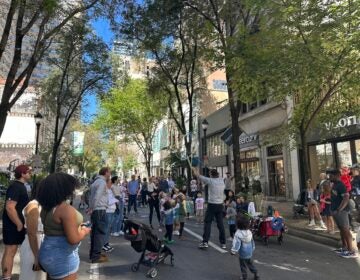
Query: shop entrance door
(276, 177)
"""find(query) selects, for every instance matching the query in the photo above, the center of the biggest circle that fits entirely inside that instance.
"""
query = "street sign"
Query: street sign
(36, 164)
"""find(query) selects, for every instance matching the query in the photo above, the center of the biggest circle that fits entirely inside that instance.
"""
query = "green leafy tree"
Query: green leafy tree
(79, 68)
(317, 45)
(171, 34)
(36, 23)
(132, 112)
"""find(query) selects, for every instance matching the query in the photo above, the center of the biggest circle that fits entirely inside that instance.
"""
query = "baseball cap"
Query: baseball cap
(22, 169)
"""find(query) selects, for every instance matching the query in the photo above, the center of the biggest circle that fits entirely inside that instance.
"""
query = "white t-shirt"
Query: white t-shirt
(199, 202)
(111, 201)
(193, 186)
(216, 187)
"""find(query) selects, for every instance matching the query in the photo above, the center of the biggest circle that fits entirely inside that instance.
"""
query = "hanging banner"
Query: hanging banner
(78, 143)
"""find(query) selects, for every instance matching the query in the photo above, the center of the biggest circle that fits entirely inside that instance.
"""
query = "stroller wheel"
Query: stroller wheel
(152, 273)
(134, 267)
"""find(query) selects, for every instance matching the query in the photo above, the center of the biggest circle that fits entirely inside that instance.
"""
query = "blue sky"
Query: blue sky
(102, 28)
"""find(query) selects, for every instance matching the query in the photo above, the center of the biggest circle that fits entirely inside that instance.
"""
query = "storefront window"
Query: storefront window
(344, 154)
(320, 158)
(250, 166)
(357, 150)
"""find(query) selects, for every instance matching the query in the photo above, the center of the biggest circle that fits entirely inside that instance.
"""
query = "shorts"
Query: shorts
(58, 257)
(341, 219)
(11, 236)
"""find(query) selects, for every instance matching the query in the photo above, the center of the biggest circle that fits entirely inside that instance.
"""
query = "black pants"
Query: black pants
(154, 204)
(182, 224)
(214, 210)
(143, 198)
(98, 232)
(132, 201)
(232, 230)
(244, 264)
(169, 231)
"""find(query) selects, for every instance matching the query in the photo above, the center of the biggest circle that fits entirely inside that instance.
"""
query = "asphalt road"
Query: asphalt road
(296, 259)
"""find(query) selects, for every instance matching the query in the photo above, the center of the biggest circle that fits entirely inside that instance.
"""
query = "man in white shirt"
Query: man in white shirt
(216, 187)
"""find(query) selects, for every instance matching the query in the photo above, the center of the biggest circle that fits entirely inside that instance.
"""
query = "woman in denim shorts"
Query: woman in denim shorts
(63, 227)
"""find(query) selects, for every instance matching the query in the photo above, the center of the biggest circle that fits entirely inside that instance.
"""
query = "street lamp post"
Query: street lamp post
(38, 120)
(204, 125)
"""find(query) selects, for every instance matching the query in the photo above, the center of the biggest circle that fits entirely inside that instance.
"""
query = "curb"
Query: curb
(314, 236)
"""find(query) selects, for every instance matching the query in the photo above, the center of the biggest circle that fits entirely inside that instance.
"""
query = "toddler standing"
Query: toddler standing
(231, 219)
(169, 222)
(325, 204)
(244, 244)
(199, 206)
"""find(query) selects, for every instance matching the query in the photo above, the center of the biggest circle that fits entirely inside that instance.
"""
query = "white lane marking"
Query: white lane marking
(216, 247)
(94, 273)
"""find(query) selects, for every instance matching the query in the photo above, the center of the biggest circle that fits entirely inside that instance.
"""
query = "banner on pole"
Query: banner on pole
(78, 143)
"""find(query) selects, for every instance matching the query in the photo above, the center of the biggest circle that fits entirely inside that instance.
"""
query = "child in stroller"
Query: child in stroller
(142, 240)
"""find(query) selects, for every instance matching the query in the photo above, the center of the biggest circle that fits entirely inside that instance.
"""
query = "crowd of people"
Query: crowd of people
(332, 201)
(49, 229)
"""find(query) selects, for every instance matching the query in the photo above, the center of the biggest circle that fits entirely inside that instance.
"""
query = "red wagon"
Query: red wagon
(267, 227)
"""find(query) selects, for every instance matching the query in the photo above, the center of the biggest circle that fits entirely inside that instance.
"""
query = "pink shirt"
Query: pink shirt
(199, 202)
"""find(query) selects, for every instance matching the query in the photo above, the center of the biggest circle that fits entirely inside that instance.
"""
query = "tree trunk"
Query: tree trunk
(304, 160)
(236, 131)
(148, 165)
(54, 153)
(3, 116)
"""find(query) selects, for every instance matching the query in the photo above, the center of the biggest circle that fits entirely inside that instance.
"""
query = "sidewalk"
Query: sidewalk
(299, 227)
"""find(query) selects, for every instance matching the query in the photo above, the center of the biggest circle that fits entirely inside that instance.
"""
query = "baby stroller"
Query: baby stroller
(143, 241)
(300, 207)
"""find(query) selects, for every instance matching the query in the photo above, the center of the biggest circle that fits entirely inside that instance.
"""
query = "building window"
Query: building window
(215, 146)
(220, 85)
(250, 165)
(320, 158)
(276, 150)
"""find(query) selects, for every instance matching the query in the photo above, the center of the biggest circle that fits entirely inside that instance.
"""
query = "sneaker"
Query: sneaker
(223, 246)
(121, 232)
(176, 232)
(339, 250)
(323, 226)
(312, 223)
(348, 254)
(102, 259)
(116, 234)
(107, 248)
(203, 245)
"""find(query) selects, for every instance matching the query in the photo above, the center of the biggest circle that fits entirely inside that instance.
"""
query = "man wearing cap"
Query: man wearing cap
(339, 209)
(216, 187)
(13, 220)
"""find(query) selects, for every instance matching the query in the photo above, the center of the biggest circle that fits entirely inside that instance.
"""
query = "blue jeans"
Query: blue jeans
(118, 218)
(109, 222)
(58, 257)
(132, 200)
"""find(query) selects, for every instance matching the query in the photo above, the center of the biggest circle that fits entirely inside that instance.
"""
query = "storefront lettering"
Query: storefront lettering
(248, 139)
(344, 122)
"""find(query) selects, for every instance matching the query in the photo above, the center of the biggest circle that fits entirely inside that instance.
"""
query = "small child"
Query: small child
(244, 244)
(241, 205)
(231, 218)
(325, 203)
(176, 207)
(199, 204)
(163, 199)
(182, 213)
(169, 221)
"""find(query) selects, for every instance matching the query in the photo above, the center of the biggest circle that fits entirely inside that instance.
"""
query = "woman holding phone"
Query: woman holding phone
(63, 227)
